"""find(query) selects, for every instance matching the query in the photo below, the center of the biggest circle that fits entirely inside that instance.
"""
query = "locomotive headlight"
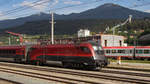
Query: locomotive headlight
(85, 63)
(95, 47)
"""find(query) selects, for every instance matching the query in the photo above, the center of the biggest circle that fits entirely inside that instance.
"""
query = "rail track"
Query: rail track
(117, 71)
(46, 77)
(12, 82)
(89, 74)
(131, 69)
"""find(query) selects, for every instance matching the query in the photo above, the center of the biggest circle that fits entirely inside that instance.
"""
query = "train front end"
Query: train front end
(99, 59)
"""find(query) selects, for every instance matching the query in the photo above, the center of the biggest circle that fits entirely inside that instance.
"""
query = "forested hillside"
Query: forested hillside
(72, 26)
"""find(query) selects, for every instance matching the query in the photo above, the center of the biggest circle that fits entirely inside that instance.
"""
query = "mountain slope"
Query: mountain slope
(61, 27)
(106, 11)
(72, 26)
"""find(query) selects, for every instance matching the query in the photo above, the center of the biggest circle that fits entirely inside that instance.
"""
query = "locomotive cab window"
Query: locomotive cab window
(85, 49)
(98, 49)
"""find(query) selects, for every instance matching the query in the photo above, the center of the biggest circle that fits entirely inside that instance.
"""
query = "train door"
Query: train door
(28, 50)
(134, 53)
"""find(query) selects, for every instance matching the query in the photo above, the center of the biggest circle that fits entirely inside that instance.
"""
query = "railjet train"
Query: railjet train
(82, 55)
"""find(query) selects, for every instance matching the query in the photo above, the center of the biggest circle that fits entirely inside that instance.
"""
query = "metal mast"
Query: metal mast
(52, 27)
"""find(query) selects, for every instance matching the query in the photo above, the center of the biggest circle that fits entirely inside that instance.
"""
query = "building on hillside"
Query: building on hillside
(112, 40)
(83, 33)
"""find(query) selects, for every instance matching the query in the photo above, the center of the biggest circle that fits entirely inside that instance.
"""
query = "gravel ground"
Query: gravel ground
(5, 82)
(23, 79)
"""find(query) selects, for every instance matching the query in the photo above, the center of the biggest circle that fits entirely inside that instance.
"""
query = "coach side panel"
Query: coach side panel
(11, 54)
(69, 54)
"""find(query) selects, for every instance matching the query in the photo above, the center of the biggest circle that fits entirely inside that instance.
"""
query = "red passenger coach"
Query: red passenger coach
(12, 53)
(119, 51)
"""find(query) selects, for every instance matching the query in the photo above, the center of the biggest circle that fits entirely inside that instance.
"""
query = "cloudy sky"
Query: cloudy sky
(19, 8)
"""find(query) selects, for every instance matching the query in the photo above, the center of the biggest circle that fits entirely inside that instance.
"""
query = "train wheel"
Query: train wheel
(97, 68)
(17, 60)
(39, 63)
(65, 64)
(78, 65)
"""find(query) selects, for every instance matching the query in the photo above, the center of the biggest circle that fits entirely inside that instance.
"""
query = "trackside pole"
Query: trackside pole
(119, 60)
(52, 28)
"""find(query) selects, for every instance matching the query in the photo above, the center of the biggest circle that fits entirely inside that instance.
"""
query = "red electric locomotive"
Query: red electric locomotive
(87, 55)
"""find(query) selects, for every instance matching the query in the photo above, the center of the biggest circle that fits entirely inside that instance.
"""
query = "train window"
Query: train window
(0, 51)
(121, 51)
(146, 52)
(107, 51)
(136, 51)
(9, 51)
(114, 51)
(130, 51)
(139, 51)
(126, 51)
(13, 51)
(85, 49)
(5, 51)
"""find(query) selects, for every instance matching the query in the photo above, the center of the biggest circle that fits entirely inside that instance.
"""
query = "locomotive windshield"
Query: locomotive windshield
(99, 52)
(98, 49)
